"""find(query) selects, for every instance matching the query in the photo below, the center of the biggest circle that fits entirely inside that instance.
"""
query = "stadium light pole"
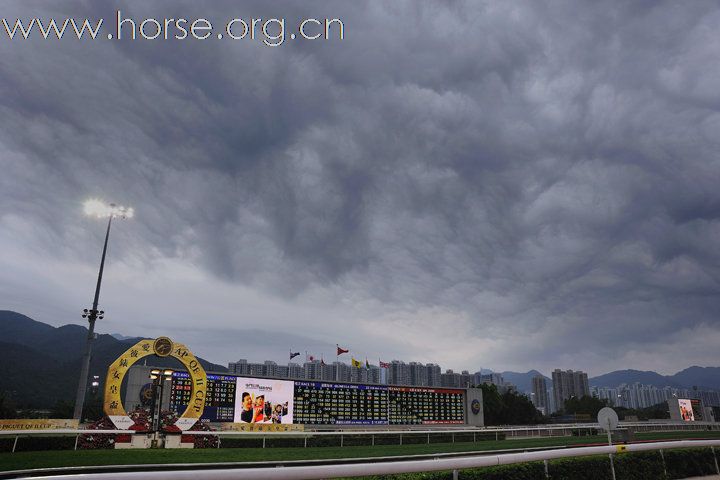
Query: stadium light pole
(98, 209)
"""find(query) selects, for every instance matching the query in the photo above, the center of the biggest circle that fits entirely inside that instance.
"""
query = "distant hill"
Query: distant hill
(46, 360)
(702, 377)
(613, 379)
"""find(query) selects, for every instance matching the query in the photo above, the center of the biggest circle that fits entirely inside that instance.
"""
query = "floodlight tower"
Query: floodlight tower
(98, 209)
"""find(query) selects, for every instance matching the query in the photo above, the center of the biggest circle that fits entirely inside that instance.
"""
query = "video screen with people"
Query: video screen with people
(259, 400)
(686, 410)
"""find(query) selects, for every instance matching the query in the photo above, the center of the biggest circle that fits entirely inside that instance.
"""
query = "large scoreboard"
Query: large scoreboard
(340, 404)
(219, 399)
(255, 400)
(424, 406)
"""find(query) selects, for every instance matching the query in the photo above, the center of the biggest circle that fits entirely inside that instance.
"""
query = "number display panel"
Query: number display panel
(340, 404)
(426, 406)
(219, 397)
(324, 403)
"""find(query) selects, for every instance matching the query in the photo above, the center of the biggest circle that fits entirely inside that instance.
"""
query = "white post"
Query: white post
(612, 463)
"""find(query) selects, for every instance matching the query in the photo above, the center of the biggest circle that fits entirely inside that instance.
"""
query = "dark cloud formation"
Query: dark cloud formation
(492, 184)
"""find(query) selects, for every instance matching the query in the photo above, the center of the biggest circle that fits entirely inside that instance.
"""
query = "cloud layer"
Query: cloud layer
(477, 184)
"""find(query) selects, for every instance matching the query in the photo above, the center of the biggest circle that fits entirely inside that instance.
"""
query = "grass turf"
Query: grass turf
(65, 458)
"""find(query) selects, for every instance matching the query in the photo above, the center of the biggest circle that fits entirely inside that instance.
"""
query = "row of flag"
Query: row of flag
(340, 351)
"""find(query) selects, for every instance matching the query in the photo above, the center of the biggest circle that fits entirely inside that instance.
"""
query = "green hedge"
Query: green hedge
(522, 471)
(585, 468)
(690, 462)
(29, 444)
(639, 466)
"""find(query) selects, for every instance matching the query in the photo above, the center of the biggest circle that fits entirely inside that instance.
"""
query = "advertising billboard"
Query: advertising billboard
(686, 410)
(261, 400)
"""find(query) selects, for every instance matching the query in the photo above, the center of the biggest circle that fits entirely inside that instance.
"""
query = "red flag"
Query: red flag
(311, 358)
(384, 365)
(341, 350)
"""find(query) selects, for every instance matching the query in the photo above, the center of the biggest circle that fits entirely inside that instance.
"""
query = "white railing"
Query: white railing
(510, 432)
(385, 468)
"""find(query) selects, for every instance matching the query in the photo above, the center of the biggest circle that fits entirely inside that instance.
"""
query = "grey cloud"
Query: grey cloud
(545, 168)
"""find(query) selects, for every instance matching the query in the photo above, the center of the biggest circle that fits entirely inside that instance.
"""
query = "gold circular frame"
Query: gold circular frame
(113, 406)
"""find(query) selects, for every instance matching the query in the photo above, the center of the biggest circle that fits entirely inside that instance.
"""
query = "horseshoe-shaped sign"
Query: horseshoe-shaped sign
(162, 347)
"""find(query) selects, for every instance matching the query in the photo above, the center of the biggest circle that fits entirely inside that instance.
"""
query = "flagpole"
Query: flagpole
(337, 362)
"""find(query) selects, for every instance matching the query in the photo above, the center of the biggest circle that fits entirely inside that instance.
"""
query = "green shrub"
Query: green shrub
(358, 441)
(581, 468)
(6, 444)
(226, 442)
(271, 442)
(324, 441)
(689, 462)
(520, 471)
(639, 466)
(387, 440)
(32, 444)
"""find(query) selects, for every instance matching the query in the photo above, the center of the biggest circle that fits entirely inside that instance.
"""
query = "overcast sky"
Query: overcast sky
(505, 185)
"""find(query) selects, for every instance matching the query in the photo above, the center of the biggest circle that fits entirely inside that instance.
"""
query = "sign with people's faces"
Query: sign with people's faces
(260, 400)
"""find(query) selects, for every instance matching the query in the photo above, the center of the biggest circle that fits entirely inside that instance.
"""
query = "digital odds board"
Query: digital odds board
(219, 398)
(340, 404)
(258, 400)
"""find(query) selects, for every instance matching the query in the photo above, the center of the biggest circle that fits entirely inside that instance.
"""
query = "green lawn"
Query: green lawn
(64, 458)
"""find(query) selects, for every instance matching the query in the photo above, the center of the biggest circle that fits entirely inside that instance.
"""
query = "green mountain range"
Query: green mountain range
(41, 363)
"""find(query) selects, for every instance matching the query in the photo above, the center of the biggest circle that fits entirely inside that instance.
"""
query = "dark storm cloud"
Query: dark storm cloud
(546, 170)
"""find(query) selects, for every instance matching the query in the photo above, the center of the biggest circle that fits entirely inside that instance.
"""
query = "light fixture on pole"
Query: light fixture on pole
(158, 376)
(98, 209)
(154, 376)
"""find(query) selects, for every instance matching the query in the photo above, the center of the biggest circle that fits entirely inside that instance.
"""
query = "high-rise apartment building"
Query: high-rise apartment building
(373, 374)
(399, 373)
(313, 370)
(450, 379)
(295, 371)
(567, 384)
(433, 374)
(270, 369)
(341, 372)
(418, 374)
(239, 368)
(540, 394)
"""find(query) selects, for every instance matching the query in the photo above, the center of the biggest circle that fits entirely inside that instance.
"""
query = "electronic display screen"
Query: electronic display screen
(340, 403)
(257, 400)
(219, 398)
(426, 406)
(697, 409)
(686, 410)
(262, 400)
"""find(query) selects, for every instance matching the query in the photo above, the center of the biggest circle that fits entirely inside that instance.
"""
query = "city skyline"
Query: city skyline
(515, 184)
